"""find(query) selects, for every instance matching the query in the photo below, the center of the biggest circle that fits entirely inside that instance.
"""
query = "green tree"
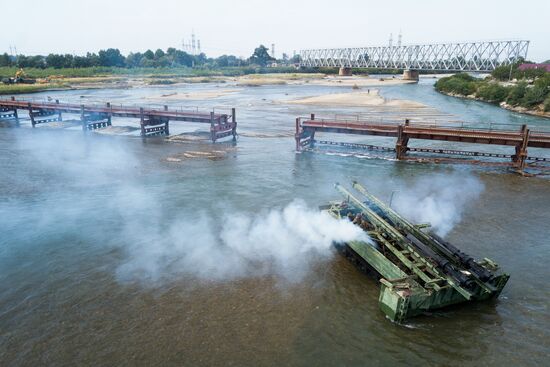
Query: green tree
(516, 94)
(149, 55)
(111, 57)
(492, 92)
(296, 59)
(261, 56)
(133, 59)
(54, 61)
(5, 60)
(93, 59)
(183, 58)
(537, 94)
(31, 61)
(159, 53)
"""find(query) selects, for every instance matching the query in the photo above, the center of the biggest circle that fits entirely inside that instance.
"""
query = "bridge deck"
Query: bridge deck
(520, 139)
(538, 139)
(113, 110)
(153, 121)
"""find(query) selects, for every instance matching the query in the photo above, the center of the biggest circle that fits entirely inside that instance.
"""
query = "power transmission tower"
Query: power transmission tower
(399, 39)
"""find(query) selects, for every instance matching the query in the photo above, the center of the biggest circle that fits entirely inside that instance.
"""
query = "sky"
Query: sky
(237, 27)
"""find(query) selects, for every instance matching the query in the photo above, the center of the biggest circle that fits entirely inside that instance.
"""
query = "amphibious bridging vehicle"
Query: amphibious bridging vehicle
(418, 270)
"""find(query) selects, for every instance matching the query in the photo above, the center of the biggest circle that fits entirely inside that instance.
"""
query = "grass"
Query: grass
(27, 88)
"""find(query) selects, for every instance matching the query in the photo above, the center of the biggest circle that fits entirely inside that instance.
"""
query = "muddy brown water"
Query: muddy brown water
(73, 208)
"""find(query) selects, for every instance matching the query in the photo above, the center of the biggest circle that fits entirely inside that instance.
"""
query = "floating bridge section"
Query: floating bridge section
(462, 56)
(153, 121)
(521, 139)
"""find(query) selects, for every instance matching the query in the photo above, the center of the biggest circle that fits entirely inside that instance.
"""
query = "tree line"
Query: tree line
(531, 88)
(112, 57)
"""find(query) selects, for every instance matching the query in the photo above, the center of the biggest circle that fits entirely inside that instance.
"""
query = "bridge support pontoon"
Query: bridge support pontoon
(44, 115)
(153, 125)
(9, 114)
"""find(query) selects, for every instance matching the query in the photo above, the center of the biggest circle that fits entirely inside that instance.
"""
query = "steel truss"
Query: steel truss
(463, 56)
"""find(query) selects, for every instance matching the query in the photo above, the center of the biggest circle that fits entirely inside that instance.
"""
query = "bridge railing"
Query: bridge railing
(457, 125)
(120, 107)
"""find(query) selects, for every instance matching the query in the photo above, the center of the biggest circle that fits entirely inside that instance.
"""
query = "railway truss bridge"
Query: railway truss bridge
(481, 56)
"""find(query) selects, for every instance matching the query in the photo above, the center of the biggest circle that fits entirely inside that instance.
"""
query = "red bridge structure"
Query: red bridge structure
(520, 139)
(153, 121)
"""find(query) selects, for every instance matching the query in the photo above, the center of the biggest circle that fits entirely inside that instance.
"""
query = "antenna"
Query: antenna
(193, 44)
(273, 50)
(199, 46)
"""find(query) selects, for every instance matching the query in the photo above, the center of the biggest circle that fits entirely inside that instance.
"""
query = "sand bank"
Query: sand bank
(360, 81)
(196, 95)
(353, 99)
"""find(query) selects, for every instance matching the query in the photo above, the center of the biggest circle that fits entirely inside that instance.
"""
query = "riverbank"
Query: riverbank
(525, 96)
(504, 105)
(60, 82)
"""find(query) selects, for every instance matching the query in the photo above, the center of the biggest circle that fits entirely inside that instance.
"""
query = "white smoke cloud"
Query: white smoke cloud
(101, 178)
(438, 199)
(282, 242)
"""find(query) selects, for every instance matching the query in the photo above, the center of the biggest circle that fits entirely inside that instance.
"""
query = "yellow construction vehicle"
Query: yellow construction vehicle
(20, 78)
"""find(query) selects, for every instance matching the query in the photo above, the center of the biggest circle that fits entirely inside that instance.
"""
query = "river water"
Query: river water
(108, 250)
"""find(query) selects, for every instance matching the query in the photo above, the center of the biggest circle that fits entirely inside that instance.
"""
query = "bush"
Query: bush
(533, 96)
(502, 72)
(547, 104)
(492, 92)
(463, 84)
(516, 94)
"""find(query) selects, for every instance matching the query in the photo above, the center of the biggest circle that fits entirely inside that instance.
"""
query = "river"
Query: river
(109, 252)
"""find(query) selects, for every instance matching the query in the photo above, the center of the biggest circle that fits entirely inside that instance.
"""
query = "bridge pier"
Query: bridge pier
(521, 150)
(401, 143)
(411, 74)
(344, 71)
(305, 137)
(220, 127)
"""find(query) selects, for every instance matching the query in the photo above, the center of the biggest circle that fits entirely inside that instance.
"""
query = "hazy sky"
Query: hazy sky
(236, 27)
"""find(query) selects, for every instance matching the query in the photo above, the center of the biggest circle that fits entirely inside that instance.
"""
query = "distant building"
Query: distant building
(524, 67)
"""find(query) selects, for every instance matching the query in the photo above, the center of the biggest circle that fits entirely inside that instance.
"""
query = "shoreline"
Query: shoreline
(250, 80)
(503, 105)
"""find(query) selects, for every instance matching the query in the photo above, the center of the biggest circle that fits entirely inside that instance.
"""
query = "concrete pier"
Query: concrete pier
(410, 74)
(344, 71)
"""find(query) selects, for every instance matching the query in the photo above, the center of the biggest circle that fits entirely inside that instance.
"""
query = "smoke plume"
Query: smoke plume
(98, 190)
(282, 242)
(439, 200)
